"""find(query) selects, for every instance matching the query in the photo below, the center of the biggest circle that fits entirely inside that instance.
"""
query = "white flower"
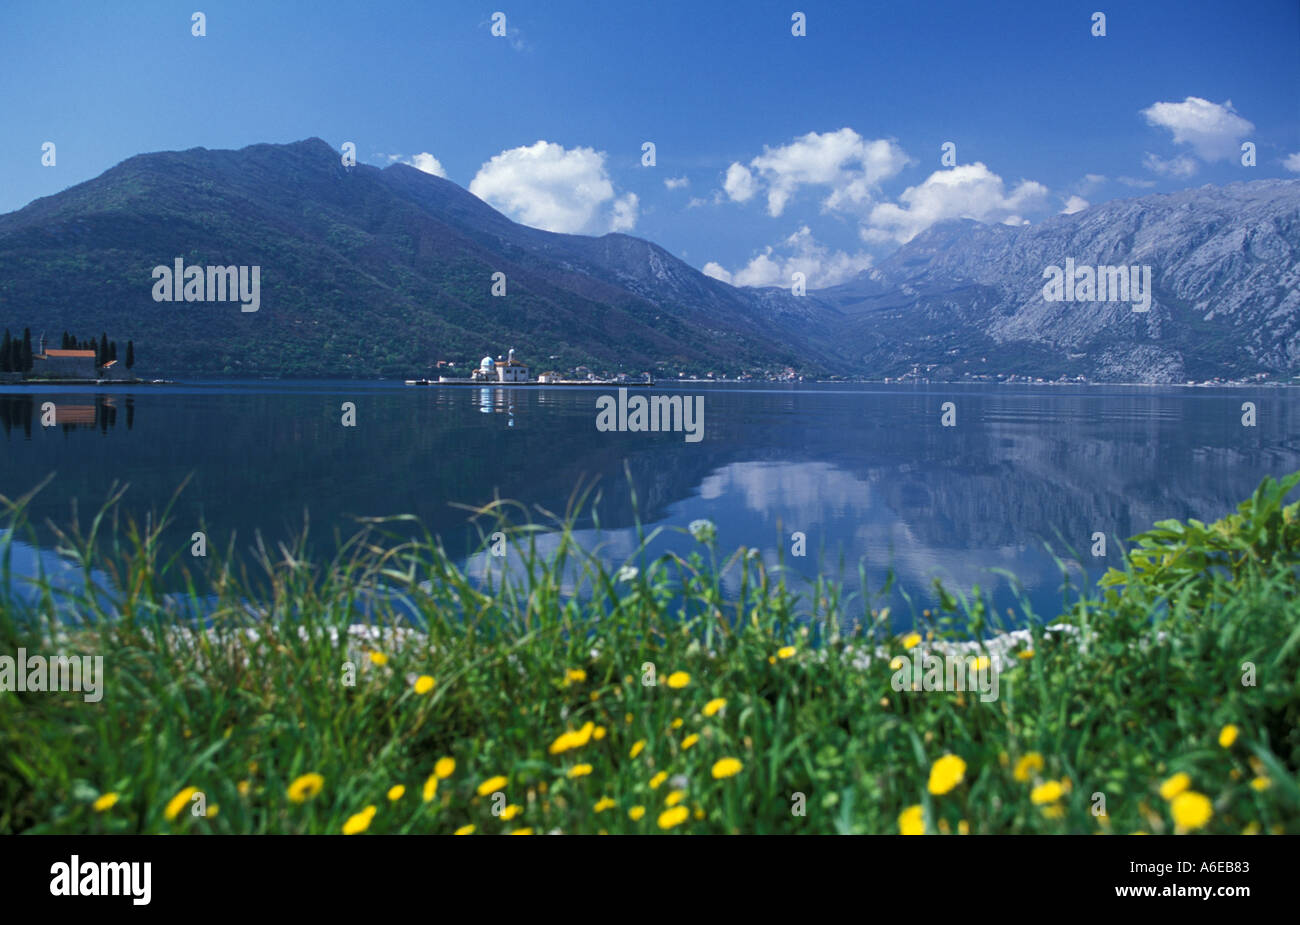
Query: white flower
(627, 573)
(703, 530)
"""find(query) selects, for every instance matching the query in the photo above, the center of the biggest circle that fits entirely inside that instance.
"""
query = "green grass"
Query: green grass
(1138, 693)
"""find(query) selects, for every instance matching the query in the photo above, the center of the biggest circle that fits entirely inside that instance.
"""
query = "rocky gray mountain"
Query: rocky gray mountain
(967, 298)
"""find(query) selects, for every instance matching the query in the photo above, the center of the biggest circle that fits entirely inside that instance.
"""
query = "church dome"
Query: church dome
(485, 363)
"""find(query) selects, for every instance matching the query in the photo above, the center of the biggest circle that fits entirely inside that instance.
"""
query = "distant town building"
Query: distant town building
(503, 369)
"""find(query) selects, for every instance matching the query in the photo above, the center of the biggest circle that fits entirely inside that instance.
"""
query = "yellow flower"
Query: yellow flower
(1025, 654)
(690, 740)
(678, 679)
(305, 787)
(603, 804)
(714, 705)
(637, 747)
(963, 827)
(491, 785)
(1228, 735)
(911, 640)
(726, 767)
(105, 802)
(511, 811)
(1054, 811)
(1048, 792)
(444, 768)
(423, 684)
(785, 652)
(465, 830)
(946, 773)
(396, 792)
(658, 779)
(677, 723)
(981, 663)
(573, 739)
(430, 788)
(579, 770)
(379, 658)
(671, 817)
(575, 676)
(897, 662)
(359, 822)
(635, 813)
(1261, 783)
(674, 798)
(911, 821)
(1175, 785)
(213, 810)
(627, 718)
(1191, 810)
(1027, 765)
(244, 787)
(179, 802)
(598, 733)
(521, 832)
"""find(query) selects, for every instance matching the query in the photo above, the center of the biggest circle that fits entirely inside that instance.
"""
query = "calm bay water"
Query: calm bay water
(867, 473)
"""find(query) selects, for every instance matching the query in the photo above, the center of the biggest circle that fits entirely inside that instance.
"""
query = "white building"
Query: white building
(503, 369)
(510, 369)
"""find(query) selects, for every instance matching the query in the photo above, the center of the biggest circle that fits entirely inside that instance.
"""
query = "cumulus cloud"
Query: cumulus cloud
(1074, 204)
(1177, 167)
(799, 252)
(677, 182)
(426, 162)
(1213, 130)
(967, 191)
(848, 165)
(717, 271)
(739, 183)
(1292, 162)
(553, 188)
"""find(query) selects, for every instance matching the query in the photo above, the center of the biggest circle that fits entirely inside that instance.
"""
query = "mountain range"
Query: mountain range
(382, 272)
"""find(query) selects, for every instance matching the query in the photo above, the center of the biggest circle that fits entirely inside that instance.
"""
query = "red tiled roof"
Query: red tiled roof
(69, 353)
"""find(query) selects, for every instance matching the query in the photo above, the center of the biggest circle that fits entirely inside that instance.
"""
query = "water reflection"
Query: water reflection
(867, 474)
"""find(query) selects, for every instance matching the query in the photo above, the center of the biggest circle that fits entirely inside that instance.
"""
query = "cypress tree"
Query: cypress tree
(112, 350)
(130, 354)
(6, 364)
(27, 350)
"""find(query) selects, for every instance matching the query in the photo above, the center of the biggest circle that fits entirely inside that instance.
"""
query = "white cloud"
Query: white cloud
(1178, 167)
(1137, 182)
(967, 191)
(850, 166)
(427, 163)
(1074, 204)
(1214, 130)
(1292, 162)
(553, 188)
(677, 182)
(717, 271)
(739, 183)
(624, 213)
(820, 265)
(1090, 183)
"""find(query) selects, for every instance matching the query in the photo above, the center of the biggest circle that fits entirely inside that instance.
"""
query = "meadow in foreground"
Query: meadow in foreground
(386, 691)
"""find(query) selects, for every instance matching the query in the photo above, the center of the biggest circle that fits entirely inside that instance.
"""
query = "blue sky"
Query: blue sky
(835, 136)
